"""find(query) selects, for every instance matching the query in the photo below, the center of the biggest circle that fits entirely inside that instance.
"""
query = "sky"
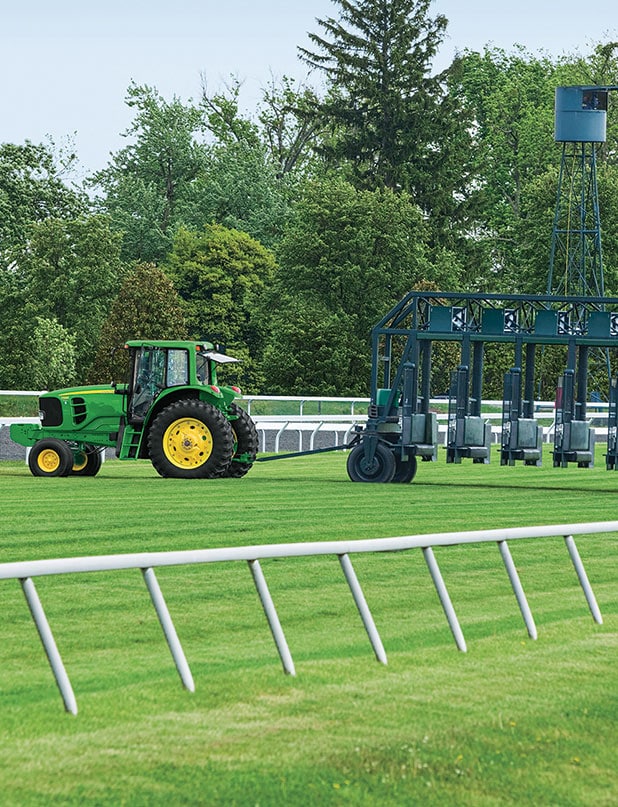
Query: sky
(65, 65)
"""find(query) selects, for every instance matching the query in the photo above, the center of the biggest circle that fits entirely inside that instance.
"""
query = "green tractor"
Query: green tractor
(170, 411)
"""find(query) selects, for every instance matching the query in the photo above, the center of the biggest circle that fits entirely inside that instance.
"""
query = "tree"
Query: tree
(383, 106)
(243, 185)
(53, 354)
(146, 307)
(147, 182)
(346, 259)
(69, 272)
(512, 198)
(221, 275)
(289, 127)
(33, 188)
(510, 96)
(241, 191)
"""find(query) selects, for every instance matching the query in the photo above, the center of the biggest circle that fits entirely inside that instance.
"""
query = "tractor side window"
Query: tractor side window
(177, 367)
(202, 368)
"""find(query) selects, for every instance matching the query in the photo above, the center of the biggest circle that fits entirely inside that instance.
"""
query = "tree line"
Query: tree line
(286, 234)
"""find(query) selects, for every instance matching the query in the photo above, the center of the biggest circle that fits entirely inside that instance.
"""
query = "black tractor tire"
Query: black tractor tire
(191, 439)
(380, 469)
(404, 471)
(50, 457)
(86, 462)
(245, 441)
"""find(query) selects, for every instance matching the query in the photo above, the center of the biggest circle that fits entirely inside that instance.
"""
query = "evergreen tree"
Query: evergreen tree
(391, 121)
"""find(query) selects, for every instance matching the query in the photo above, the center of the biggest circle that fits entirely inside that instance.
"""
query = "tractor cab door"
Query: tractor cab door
(146, 382)
(153, 369)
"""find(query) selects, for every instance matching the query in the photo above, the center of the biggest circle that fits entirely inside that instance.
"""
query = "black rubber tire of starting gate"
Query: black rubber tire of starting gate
(404, 471)
(380, 469)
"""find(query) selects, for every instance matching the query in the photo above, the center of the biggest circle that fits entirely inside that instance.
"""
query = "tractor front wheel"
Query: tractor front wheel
(86, 462)
(191, 439)
(50, 458)
(381, 468)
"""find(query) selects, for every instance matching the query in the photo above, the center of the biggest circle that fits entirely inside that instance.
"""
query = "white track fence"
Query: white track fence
(27, 570)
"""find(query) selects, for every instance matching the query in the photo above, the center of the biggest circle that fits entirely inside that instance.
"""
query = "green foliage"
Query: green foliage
(510, 97)
(70, 271)
(312, 349)
(511, 100)
(289, 126)
(60, 283)
(240, 190)
(32, 189)
(386, 120)
(376, 59)
(347, 258)
(146, 307)
(54, 354)
(221, 275)
(147, 183)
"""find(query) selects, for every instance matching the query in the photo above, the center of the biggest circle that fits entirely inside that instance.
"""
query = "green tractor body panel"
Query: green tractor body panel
(177, 377)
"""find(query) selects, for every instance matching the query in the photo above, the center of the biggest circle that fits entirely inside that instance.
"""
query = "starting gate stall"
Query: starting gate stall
(400, 426)
(522, 436)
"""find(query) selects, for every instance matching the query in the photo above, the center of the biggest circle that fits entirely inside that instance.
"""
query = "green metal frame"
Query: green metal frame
(401, 371)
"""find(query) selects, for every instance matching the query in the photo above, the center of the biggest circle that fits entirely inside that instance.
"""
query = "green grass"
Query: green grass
(512, 721)
(19, 406)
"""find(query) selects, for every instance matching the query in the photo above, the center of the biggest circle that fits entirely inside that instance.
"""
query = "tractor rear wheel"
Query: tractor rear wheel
(191, 439)
(380, 469)
(50, 458)
(86, 462)
(245, 442)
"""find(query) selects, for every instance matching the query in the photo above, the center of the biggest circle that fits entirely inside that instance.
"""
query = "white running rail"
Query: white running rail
(147, 561)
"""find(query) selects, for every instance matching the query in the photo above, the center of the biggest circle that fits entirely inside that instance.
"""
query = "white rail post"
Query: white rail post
(363, 608)
(583, 579)
(445, 599)
(169, 630)
(517, 588)
(271, 615)
(49, 644)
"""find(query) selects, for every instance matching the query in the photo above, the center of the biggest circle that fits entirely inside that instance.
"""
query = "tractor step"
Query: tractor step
(129, 442)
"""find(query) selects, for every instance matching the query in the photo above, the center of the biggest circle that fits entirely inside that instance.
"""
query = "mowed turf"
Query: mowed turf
(512, 721)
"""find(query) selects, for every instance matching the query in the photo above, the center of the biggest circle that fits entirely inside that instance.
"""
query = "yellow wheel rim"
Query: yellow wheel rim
(80, 461)
(187, 443)
(48, 460)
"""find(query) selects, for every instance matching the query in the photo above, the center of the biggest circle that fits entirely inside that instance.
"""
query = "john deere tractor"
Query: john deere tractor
(170, 410)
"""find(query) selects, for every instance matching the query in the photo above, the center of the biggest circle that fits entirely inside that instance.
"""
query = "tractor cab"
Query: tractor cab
(157, 367)
(153, 369)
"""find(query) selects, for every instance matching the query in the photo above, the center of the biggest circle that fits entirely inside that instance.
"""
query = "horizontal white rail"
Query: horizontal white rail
(25, 571)
(139, 560)
(26, 392)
